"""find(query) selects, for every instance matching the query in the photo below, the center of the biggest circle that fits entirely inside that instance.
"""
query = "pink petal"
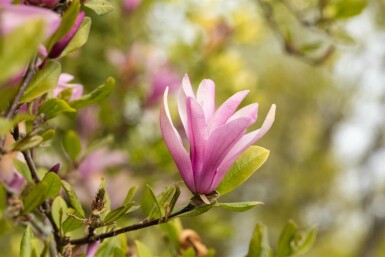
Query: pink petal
(250, 111)
(92, 248)
(198, 134)
(227, 109)
(206, 98)
(246, 141)
(185, 91)
(175, 145)
(219, 144)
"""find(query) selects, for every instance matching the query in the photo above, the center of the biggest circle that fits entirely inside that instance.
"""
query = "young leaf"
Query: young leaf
(99, 94)
(130, 195)
(238, 207)
(150, 204)
(6, 125)
(26, 246)
(259, 244)
(35, 197)
(71, 224)
(100, 7)
(197, 211)
(54, 185)
(251, 160)
(303, 241)
(117, 213)
(53, 107)
(73, 198)
(23, 169)
(18, 47)
(26, 143)
(80, 38)
(72, 145)
(284, 247)
(142, 250)
(59, 210)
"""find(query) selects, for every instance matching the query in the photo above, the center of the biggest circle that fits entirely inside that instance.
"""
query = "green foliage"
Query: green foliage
(72, 145)
(27, 248)
(71, 223)
(250, 161)
(100, 7)
(45, 80)
(53, 107)
(73, 198)
(117, 213)
(343, 9)
(142, 250)
(59, 210)
(238, 207)
(23, 169)
(189, 253)
(161, 205)
(99, 94)
(6, 125)
(27, 142)
(130, 194)
(18, 48)
(80, 37)
(259, 244)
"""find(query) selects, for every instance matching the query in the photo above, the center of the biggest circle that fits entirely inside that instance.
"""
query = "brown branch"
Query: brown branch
(145, 224)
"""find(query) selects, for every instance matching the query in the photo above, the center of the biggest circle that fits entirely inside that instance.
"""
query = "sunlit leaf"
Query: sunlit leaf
(53, 107)
(100, 7)
(259, 244)
(238, 207)
(142, 250)
(72, 144)
(73, 198)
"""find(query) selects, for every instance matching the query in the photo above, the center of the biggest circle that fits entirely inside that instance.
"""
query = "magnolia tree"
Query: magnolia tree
(212, 149)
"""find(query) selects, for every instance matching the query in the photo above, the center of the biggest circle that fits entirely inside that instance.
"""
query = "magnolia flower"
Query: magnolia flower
(77, 89)
(216, 137)
(58, 48)
(13, 16)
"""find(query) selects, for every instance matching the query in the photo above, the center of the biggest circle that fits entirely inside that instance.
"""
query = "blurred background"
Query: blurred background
(320, 61)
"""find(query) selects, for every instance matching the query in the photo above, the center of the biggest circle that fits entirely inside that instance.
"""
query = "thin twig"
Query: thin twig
(94, 238)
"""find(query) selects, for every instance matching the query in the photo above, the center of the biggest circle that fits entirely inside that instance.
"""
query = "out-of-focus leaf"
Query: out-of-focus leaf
(18, 48)
(6, 125)
(26, 143)
(250, 161)
(73, 198)
(303, 241)
(130, 195)
(189, 252)
(344, 9)
(72, 144)
(68, 19)
(99, 94)
(259, 244)
(23, 169)
(80, 37)
(100, 7)
(172, 229)
(142, 250)
(53, 107)
(3, 199)
(27, 248)
(238, 207)
(44, 81)
(48, 134)
(117, 213)
(284, 247)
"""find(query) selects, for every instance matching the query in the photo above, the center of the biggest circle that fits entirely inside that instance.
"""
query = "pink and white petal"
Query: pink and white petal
(246, 141)
(175, 145)
(220, 142)
(182, 110)
(206, 98)
(77, 91)
(227, 109)
(65, 78)
(198, 134)
(187, 88)
(250, 111)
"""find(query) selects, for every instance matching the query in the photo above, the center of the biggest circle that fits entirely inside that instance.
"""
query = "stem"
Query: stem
(87, 239)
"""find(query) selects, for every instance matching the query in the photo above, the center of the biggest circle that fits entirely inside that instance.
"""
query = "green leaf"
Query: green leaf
(250, 161)
(303, 241)
(23, 169)
(72, 144)
(27, 248)
(197, 211)
(26, 143)
(259, 244)
(150, 204)
(73, 198)
(189, 252)
(59, 210)
(54, 185)
(3, 199)
(35, 197)
(18, 48)
(100, 7)
(7, 125)
(48, 134)
(44, 81)
(117, 213)
(99, 94)
(80, 37)
(53, 107)
(284, 248)
(142, 250)
(238, 207)
(68, 20)
(346, 8)
(130, 195)
(172, 229)
(71, 224)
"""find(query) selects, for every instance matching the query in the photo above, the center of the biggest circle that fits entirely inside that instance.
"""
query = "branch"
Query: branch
(87, 239)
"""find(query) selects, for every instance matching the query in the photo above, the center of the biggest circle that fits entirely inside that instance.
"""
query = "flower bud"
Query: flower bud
(130, 5)
(55, 168)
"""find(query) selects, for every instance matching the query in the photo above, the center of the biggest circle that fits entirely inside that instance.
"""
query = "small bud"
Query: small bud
(99, 202)
(55, 168)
